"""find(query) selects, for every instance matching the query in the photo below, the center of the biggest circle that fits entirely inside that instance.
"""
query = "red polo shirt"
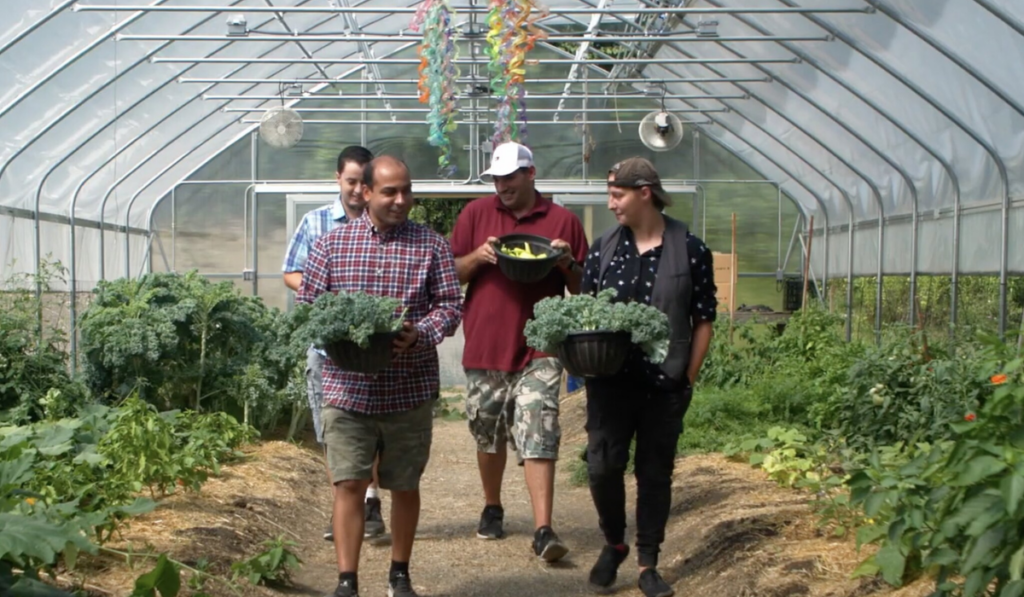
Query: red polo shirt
(496, 308)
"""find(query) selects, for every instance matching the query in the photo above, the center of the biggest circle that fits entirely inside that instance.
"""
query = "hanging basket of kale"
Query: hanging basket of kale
(355, 329)
(592, 336)
(597, 353)
(525, 258)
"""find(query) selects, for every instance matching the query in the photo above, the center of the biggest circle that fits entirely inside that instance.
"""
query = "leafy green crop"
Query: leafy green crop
(556, 317)
(353, 316)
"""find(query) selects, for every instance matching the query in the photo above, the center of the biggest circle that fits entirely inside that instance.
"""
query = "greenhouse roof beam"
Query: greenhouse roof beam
(7, 107)
(56, 10)
(889, 116)
(830, 179)
(415, 61)
(589, 37)
(409, 97)
(291, 37)
(68, 154)
(1001, 94)
(468, 122)
(366, 50)
(480, 10)
(874, 188)
(928, 98)
(471, 111)
(1013, 23)
(71, 109)
(152, 154)
(463, 80)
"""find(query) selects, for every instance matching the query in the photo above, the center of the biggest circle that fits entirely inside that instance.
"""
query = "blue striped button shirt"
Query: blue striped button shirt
(314, 224)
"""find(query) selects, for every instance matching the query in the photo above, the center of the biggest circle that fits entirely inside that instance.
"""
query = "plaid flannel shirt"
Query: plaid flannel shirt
(411, 263)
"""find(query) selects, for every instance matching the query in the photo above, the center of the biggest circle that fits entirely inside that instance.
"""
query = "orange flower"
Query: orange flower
(999, 378)
(969, 417)
(30, 501)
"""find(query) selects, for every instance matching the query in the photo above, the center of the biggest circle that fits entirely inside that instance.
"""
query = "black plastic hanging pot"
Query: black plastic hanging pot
(347, 355)
(598, 353)
(527, 270)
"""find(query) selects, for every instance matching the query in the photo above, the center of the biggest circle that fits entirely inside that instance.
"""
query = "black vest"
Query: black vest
(673, 290)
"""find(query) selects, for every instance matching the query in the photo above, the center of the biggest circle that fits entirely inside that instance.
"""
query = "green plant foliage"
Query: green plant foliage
(954, 508)
(67, 483)
(554, 318)
(351, 316)
(273, 565)
(32, 361)
(183, 342)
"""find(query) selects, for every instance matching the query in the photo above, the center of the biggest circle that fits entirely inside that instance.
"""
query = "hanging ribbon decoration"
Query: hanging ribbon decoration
(512, 34)
(437, 76)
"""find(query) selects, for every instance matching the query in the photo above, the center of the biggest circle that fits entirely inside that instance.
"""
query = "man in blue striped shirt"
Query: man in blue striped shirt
(347, 207)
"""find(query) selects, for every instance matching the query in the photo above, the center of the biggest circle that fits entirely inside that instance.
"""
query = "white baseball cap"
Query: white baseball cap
(507, 158)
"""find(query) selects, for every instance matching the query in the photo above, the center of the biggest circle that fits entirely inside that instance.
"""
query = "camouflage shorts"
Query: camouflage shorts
(519, 408)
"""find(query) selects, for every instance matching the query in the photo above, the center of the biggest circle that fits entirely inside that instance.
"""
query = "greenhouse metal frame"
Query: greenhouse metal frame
(896, 127)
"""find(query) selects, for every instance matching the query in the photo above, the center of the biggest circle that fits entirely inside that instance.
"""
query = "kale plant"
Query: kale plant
(556, 317)
(353, 316)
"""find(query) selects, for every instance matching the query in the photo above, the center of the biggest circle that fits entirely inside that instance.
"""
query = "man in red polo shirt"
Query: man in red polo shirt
(512, 388)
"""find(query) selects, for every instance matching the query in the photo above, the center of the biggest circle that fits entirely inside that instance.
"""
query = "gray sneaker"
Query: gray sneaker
(492, 522)
(401, 586)
(653, 585)
(374, 524)
(345, 588)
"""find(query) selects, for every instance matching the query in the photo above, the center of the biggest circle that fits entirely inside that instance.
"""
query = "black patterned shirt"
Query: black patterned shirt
(632, 275)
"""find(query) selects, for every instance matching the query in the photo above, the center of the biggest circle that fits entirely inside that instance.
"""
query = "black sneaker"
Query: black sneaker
(606, 569)
(345, 588)
(400, 586)
(653, 585)
(492, 523)
(548, 546)
(374, 524)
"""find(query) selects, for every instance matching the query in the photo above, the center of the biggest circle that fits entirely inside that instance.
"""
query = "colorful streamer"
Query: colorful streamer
(511, 36)
(437, 75)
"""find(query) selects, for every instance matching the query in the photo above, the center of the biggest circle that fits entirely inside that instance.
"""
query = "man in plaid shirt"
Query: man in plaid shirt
(346, 207)
(389, 413)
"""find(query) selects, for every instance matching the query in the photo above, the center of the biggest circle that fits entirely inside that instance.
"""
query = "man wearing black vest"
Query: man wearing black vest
(653, 259)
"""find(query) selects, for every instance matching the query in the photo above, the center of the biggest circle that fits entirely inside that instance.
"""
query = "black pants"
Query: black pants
(618, 410)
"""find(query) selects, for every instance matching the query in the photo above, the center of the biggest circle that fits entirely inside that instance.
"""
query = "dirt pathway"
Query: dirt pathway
(448, 559)
(732, 532)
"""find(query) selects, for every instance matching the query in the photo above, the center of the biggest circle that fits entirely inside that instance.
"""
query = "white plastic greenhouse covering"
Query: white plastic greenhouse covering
(903, 119)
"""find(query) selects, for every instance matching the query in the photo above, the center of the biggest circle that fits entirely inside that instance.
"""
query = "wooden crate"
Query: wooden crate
(725, 280)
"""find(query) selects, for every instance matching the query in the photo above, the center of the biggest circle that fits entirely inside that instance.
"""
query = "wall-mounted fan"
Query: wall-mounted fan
(281, 127)
(661, 130)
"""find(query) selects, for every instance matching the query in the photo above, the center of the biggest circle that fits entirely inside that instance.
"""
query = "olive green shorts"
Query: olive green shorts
(402, 439)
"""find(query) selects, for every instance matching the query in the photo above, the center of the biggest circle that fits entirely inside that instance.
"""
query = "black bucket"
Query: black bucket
(347, 355)
(599, 353)
(523, 269)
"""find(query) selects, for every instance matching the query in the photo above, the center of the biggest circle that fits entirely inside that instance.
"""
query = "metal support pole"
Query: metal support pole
(253, 166)
(174, 230)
